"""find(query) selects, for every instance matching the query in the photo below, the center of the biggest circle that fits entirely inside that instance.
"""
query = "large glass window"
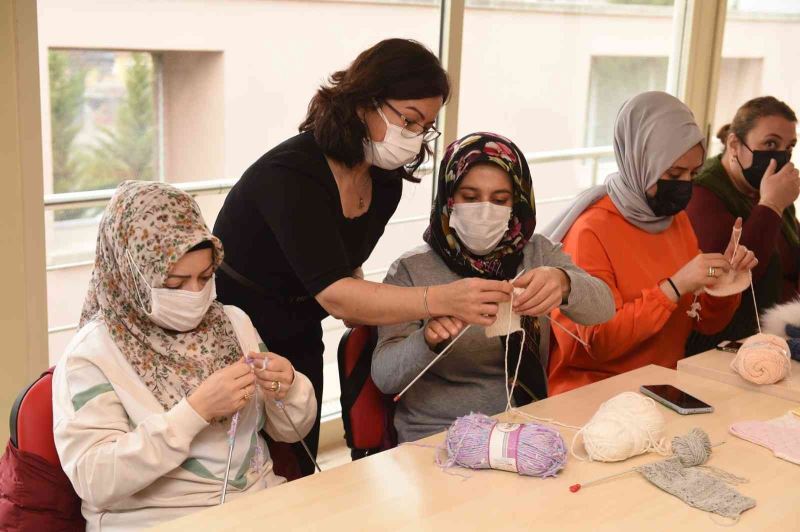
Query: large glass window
(759, 57)
(552, 75)
(188, 93)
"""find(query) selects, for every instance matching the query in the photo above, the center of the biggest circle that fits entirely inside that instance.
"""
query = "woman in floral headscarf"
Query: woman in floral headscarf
(145, 393)
(481, 225)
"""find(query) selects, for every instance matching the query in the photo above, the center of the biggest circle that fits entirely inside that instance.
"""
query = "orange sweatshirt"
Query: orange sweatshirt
(648, 327)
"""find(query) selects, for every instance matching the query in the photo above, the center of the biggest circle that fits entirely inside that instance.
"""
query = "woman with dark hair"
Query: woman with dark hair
(303, 218)
(753, 179)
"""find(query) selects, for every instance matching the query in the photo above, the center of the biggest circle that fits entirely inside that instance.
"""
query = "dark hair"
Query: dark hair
(399, 69)
(749, 113)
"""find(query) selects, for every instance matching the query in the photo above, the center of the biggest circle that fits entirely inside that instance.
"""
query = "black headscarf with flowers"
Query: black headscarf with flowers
(503, 262)
(460, 157)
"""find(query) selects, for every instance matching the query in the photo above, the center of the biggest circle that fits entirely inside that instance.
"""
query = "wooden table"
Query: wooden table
(715, 365)
(403, 489)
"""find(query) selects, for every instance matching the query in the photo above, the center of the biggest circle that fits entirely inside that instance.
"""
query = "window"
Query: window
(612, 80)
(759, 57)
(219, 83)
(551, 75)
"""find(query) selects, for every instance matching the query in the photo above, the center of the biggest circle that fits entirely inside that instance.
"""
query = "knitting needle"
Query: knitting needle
(554, 322)
(231, 442)
(577, 487)
(431, 363)
(294, 427)
(263, 348)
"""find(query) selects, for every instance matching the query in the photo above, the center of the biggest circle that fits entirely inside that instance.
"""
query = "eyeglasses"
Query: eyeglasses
(413, 129)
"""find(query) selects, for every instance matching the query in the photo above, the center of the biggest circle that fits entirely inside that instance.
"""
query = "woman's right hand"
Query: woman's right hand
(780, 189)
(437, 330)
(226, 391)
(695, 276)
(474, 301)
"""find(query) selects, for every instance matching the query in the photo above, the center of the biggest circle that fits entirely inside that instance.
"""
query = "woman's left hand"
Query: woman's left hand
(274, 374)
(543, 290)
(745, 259)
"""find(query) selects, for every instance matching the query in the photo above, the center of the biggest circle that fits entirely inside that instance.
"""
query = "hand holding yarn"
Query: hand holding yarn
(741, 258)
(763, 359)
(543, 289)
(439, 330)
(224, 392)
(274, 374)
(703, 270)
(473, 301)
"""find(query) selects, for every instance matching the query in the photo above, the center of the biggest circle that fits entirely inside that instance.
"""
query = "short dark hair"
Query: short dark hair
(399, 69)
(748, 115)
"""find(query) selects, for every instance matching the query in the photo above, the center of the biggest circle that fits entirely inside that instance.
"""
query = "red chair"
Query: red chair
(367, 414)
(35, 494)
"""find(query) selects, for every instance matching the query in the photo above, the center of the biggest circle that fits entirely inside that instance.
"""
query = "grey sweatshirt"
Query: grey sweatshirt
(471, 376)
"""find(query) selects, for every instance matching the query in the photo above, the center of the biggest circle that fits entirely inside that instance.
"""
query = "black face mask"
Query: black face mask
(761, 159)
(672, 196)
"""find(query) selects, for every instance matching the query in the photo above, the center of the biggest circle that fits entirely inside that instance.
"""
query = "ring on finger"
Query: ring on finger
(247, 395)
(275, 386)
(712, 271)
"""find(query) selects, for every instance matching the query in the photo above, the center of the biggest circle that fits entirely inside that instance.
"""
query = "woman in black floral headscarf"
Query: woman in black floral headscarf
(482, 225)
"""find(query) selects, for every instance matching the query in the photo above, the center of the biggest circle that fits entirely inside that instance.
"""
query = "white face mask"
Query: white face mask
(480, 226)
(174, 309)
(394, 150)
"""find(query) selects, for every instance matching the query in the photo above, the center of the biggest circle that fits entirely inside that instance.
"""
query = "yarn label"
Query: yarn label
(503, 445)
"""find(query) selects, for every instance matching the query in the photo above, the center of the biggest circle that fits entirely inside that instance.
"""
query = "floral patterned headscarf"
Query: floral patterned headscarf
(157, 224)
(460, 157)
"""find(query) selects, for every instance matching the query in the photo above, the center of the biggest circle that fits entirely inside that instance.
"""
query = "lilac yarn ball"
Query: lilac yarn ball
(477, 441)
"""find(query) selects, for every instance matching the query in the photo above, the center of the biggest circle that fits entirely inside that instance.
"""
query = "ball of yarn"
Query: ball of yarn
(692, 449)
(626, 425)
(477, 441)
(763, 359)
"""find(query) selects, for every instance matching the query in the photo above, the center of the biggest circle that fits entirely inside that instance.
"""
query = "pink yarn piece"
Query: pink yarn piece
(477, 441)
(781, 435)
(763, 359)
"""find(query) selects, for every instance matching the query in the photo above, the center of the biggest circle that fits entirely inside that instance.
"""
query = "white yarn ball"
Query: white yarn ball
(626, 425)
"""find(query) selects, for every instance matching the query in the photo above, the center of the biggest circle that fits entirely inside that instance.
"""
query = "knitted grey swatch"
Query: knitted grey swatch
(696, 488)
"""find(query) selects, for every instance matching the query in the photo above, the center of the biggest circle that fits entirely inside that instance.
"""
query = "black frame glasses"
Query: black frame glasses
(428, 133)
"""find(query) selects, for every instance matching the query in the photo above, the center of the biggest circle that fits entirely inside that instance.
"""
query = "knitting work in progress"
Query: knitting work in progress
(477, 441)
(628, 424)
(781, 435)
(685, 477)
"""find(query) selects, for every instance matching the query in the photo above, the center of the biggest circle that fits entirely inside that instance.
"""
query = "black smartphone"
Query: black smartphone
(729, 346)
(676, 399)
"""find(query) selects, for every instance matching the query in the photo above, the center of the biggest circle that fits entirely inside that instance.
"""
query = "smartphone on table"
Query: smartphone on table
(730, 346)
(676, 399)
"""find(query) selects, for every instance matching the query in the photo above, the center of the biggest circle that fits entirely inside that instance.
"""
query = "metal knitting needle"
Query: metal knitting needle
(577, 487)
(554, 322)
(289, 419)
(431, 363)
(231, 443)
(263, 348)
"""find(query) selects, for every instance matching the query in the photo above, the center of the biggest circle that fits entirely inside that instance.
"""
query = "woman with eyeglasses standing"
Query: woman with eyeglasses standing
(304, 217)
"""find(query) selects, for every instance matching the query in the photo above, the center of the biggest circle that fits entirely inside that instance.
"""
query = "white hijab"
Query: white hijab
(651, 132)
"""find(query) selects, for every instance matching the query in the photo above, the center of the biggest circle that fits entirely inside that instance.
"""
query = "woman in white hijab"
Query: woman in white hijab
(146, 392)
(633, 234)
